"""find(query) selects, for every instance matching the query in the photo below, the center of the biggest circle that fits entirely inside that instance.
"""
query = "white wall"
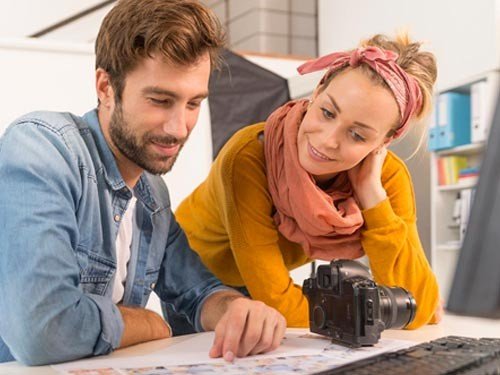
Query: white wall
(463, 34)
(20, 18)
(37, 75)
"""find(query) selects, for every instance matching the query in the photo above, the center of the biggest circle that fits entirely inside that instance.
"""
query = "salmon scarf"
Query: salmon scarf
(325, 222)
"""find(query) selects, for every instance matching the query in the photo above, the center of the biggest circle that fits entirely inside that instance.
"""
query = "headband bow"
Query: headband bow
(404, 87)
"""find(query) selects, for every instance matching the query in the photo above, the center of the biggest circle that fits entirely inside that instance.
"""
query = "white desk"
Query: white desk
(451, 325)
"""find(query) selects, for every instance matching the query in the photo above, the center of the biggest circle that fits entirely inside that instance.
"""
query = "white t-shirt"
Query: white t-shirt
(123, 243)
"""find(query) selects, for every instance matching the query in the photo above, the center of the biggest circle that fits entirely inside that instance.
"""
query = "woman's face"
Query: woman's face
(344, 123)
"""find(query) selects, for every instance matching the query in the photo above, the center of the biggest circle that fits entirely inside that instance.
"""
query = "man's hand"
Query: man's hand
(142, 325)
(245, 327)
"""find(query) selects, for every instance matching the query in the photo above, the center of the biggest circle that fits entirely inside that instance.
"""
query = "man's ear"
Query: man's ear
(104, 90)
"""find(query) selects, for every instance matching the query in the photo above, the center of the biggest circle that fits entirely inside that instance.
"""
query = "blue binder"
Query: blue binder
(432, 142)
(453, 111)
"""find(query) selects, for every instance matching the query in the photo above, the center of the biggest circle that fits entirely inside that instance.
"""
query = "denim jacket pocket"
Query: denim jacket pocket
(95, 272)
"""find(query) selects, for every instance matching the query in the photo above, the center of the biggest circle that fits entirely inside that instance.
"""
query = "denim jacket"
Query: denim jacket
(61, 201)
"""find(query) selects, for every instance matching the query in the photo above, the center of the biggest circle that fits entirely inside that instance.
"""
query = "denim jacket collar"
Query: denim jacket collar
(111, 172)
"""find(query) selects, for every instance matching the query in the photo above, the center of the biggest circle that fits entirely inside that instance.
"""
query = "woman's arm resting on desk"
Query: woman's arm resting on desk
(242, 326)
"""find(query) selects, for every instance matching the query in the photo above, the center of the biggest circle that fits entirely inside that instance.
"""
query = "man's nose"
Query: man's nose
(176, 123)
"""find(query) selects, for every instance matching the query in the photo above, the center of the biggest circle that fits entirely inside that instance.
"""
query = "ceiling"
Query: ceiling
(22, 18)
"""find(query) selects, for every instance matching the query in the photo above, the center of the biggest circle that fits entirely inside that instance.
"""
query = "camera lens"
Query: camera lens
(319, 317)
(397, 307)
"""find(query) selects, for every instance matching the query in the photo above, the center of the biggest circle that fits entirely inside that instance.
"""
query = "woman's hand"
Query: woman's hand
(366, 179)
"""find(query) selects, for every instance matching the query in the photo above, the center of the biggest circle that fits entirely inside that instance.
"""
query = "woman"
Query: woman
(315, 181)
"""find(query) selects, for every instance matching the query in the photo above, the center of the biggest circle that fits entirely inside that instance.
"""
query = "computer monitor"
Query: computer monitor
(475, 290)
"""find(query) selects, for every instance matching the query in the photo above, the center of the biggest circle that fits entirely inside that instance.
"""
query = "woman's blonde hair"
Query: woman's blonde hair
(421, 65)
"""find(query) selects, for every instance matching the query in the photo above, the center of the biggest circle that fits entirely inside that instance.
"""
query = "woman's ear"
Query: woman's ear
(388, 141)
(316, 92)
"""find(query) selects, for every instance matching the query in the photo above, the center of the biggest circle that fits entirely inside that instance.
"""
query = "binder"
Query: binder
(466, 197)
(479, 123)
(449, 169)
(453, 120)
(432, 141)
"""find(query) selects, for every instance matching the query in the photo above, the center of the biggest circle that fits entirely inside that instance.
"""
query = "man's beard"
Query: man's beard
(135, 148)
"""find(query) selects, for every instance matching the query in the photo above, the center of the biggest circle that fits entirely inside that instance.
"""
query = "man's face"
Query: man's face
(158, 110)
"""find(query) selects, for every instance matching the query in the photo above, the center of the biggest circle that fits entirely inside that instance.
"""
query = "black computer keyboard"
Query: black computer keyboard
(447, 355)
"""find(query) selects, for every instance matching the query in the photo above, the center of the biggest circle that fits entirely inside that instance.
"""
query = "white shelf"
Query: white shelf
(449, 247)
(470, 149)
(456, 187)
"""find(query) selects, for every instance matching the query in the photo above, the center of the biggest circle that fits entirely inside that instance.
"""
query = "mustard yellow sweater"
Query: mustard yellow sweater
(228, 220)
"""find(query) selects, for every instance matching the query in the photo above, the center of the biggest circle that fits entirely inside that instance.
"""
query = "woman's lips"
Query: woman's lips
(316, 155)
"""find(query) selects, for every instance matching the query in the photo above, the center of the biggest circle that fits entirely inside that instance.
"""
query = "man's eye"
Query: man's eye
(160, 101)
(327, 114)
(194, 105)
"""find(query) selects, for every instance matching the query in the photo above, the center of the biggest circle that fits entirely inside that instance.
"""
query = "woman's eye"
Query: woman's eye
(327, 114)
(356, 136)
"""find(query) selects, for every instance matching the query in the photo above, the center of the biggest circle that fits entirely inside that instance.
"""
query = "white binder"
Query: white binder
(479, 121)
(465, 206)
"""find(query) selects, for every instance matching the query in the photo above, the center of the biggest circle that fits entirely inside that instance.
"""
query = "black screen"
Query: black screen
(476, 286)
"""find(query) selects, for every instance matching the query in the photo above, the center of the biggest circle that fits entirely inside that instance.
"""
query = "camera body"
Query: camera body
(348, 306)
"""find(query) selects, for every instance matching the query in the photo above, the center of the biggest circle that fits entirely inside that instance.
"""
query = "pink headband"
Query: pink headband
(405, 88)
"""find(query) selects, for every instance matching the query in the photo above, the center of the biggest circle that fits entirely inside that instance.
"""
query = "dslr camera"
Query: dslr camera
(348, 306)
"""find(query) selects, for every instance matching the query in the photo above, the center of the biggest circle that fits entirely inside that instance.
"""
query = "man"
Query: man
(86, 229)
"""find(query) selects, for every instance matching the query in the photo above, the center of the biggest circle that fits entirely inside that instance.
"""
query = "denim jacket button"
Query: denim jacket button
(117, 218)
(153, 285)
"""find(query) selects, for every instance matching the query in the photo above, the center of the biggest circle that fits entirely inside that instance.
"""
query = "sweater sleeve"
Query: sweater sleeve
(390, 240)
(258, 248)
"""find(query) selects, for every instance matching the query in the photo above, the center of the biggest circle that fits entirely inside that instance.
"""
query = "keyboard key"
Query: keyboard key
(446, 355)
